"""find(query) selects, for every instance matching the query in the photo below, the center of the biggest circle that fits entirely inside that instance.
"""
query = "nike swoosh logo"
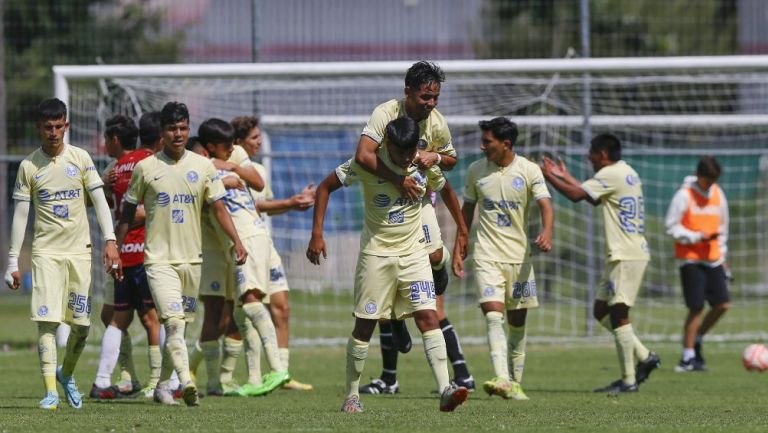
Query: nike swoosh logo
(157, 177)
(38, 176)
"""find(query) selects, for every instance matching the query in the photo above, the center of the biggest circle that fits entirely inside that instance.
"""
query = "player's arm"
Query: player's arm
(225, 221)
(247, 173)
(429, 159)
(18, 230)
(366, 157)
(316, 243)
(722, 238)
(559, 177)
(111, 256)
(674, 225)
(544, 239)
(462, 233)
(468, 215)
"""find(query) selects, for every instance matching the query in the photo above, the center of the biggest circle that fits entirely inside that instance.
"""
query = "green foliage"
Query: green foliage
(43, 33)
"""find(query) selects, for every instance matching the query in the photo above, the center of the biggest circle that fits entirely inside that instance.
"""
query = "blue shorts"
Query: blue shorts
(133, 292)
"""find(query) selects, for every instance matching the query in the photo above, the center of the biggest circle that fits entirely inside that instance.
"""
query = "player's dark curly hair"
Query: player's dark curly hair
(501, 128)
(423, 72)
(173, 112)
(403, 133)
(124, 128)
(244, 125)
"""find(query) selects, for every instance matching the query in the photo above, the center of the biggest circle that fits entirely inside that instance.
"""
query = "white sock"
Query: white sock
(62, 335)
(688, 354)
(110, 350)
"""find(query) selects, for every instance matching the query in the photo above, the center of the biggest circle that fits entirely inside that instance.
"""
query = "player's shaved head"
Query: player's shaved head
(423, 72)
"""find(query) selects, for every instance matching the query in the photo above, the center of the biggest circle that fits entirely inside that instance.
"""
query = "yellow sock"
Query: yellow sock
(46, 349)
(262, 321)
(75, 346)
(232, 350)
(125, 358)
(625, 347)
(252, 345)
(176, 347)
(437, 357)
(497, 342)
(357, 352)
(284, 356)
(195, 357)
(517, 340)
(212, 355)
(641, 352)
(155, 364)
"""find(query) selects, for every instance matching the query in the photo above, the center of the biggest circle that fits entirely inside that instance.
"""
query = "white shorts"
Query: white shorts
(218, 274)
(433, 238)
(61, 289)
(387, 287)
(510, 283)
(277, 280)
(254, 274)
(621, 281)
(174, 288)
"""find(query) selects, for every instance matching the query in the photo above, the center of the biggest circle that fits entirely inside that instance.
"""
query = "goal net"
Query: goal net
(667, 111)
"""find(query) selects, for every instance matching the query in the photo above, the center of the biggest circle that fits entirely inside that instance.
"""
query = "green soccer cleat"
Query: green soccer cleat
(274, 380)
(230, 388)
(246, 390)
(497, 386)
(74, 398)
(50, 402)
(516, 392)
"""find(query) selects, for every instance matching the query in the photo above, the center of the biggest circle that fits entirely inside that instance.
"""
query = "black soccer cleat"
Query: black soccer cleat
(617, 387)
(466, 382)
(690, 365)
(644, 368)
(378, 386)
(400, 336)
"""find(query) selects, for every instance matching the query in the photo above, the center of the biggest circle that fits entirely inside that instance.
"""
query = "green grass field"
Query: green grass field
(559, 379)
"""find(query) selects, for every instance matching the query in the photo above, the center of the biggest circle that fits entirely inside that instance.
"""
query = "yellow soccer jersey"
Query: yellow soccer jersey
(504, 195)
(239, 156)
(265, 194)
(213, 236)
(434, 135)
(242, 208)
(620, 190)
(57, 189)
(392, 223)
(173, 193)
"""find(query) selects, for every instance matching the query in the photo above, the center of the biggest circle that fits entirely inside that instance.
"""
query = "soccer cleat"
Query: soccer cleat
(697, 351)
(452, 397)
(178, 392)
(401, 337)
(690, 365)
(108, 393)
(466, 382)
(74, 398)
(148, 392)
(295, 385)
(618, 386)
(275, 379)
(189, 395)
(516, 392)
(497, 386)
(378, 386)
(644, 368)
(215, 391)
(230, 389)
(352, 405)
(247, 390)
(50, 401)
(164, 396)
(128, 388)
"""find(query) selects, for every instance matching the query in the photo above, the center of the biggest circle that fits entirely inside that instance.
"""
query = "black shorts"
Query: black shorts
(702, 282)
(133, 292)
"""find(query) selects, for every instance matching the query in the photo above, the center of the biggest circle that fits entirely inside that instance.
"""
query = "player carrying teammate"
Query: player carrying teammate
(55, 179)
(393, 277)
(617, 186)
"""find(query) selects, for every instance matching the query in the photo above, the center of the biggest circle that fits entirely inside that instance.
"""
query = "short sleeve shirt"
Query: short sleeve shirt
(132, 250)
(173, 193)
(503, 195)
(620, 190)
(56, 187)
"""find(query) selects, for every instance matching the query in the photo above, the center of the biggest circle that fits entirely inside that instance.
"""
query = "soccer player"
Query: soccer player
(248, 137)
(172, 184)
(55, 179)
(618, 188)
(132, 293)
(422, 90)
(393, 276)
(697, 219)
(505, 184)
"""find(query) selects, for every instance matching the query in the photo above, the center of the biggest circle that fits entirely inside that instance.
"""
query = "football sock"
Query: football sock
(252, 343)
(155, 364)
(434, 348)
(285, 355)
(176, 348)
(75, 346)
(453, 347)
(688, 354)
(232, 350)
(388, 353)
(625, 348)
(62, 335)
(357, 352)
(46, 349)
(125, 360)
(110, 348)
(497, 342)
(212, 355)
(517, 340)
(641, 352)
(262, 321)
(195, 357)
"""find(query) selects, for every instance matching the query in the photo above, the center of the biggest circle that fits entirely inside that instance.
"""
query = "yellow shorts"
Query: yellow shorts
(109, 291)
(174, 288)
(387, 287)
(61, 289)
(511, 283)
(218, 274)
(254, 274)
(277, 280)
(433, 238)
(621, 281)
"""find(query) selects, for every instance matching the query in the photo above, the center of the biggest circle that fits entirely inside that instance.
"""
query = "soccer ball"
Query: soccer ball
(755, 357)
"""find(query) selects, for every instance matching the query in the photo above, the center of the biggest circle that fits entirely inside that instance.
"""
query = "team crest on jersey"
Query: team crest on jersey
(174, 306)
(215, 286)
(503, 220)
(518, 183)
(632, 180)
(192, 176)
(370, 307)
(381, 200)
(488, 291)
(396, 217)
(177, 216)
(276, 274)
(61, 210)
(42, 311)
(163, 199)
(71, 170)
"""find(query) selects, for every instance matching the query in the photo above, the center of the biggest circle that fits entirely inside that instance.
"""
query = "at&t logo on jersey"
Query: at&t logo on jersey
(163, 199)
(66, 194)
(177, 216)
(192, 176)
(381, 200)
(61, 210)
(71, 170)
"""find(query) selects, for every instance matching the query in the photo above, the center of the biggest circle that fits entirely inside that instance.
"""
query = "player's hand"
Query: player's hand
(410, 188)
(302, 202)
(706, 237)
(241, 255)
(309, 191)
(112, 262)
(232, 182)
(425, 160)
(315, 248)
(552, 168)
(457, 265)
(109, 178)
(13, 279)
(461, 244)
(544, 241)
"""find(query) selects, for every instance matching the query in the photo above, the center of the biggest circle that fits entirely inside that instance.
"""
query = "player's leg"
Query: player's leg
(455, 355)
(356, 353)
(233, 345)
(694, 282)
(251, 342)
(387, 382)
(280, 311)
(491, 288)
(46, 349)
(719, 300)
(151, 323)
(208, 343)
(102, 388)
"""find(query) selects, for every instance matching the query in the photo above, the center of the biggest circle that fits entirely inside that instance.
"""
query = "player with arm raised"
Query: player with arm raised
(505, 184)
(393, 277)
(618, 188)
(422, 90)
(173, 184)
(54, 180)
